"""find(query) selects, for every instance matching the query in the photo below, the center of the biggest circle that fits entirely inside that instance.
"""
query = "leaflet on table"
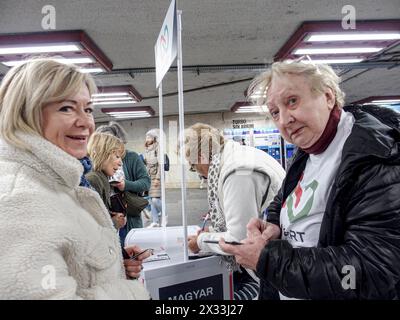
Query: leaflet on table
(157, 256)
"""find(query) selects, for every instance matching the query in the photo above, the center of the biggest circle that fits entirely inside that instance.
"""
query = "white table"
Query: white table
(175, 279)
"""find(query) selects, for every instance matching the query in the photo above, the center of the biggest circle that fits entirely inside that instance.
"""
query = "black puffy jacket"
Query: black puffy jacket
(361, 223)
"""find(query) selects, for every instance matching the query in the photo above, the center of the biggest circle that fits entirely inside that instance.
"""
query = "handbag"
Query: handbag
(118, 202)
(135, 204)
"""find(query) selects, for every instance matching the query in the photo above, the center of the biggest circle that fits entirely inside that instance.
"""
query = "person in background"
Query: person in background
(63, 229)
(241, 183)
(152, 162)
(106, 152)
(333, 230)
(136, 178)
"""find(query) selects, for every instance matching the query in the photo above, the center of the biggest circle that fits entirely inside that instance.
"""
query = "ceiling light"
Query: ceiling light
(332, 61)
(386, 101)
(91, 70)
(244, 107)
(114, 102)
(100, 99)
(96, 95)
(129, 112)
(378, 100)
(39, 49)
(60, 60)
(124, 94)
(354, 36)
(312, 51)
(328, 39)
(73, 46)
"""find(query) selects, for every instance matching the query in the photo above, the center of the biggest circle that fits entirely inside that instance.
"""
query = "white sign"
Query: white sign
(165, 48)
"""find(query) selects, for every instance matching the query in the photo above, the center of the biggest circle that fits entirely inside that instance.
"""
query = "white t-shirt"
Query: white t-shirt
(302, 213)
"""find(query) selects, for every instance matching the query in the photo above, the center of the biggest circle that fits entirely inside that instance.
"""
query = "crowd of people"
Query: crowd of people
(69, 194)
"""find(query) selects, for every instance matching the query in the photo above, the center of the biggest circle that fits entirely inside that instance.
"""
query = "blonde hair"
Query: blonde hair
(321, 76)
(28, 87)
(101, 147)
(202, 140)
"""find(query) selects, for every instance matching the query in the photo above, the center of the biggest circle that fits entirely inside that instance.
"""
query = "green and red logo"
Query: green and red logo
(164, 39)
(292, 204)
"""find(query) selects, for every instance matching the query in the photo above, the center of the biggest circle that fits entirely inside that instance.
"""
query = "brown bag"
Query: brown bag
(135, 204)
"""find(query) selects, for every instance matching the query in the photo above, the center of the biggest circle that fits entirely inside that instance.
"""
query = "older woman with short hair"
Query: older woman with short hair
(333, 230)
(57, 239)
(241, 182)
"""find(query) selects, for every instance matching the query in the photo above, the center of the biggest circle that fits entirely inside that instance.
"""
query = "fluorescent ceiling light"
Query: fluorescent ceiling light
(354, 36)
(110, 94)
(248, 109)
(336, 50)
(386, 101)
(126, 113)
(114, 102)
(91, 70)
(113, 99)
(133, 116)
(60, 60)
(39, 49)
(333, 61)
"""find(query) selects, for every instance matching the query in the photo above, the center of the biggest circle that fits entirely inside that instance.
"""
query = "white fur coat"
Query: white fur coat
(57, 240)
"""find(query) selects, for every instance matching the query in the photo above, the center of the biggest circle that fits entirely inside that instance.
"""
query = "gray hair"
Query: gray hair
(202, 139)
(321, 76)
(115, 129)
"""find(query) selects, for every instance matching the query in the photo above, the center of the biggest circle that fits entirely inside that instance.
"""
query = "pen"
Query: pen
(126, 255)
(205, 221)
(138, 254)
(227, 242)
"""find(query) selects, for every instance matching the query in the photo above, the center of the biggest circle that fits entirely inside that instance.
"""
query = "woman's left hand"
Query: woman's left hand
(134, 267)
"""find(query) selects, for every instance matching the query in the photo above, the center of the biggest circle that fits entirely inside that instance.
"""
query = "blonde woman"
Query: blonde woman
(62, 229)
(106, 152)
(241, 182)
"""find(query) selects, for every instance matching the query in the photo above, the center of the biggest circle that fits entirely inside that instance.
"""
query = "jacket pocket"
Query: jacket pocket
(103, 254)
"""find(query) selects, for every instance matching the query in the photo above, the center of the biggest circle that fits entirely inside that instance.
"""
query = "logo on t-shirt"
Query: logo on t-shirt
(300, 202)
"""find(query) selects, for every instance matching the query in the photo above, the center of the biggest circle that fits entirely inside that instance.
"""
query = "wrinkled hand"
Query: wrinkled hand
(246, 254)
(133, 267)
(192, 244)
(121, 185)
(119, 219)
(257, 228)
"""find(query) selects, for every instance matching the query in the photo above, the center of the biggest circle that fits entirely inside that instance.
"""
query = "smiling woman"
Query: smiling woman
(48, 221)
(69, 123)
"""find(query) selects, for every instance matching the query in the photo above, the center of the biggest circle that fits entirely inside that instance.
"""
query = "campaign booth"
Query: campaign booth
(167, 276)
